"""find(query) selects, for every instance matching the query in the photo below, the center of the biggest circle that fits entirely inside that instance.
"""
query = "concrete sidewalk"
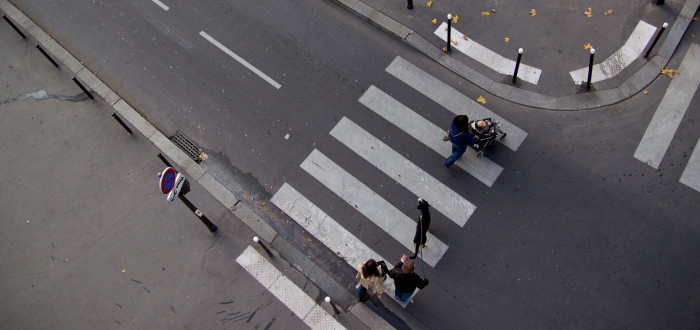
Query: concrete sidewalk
(89, 242)
(553, 40)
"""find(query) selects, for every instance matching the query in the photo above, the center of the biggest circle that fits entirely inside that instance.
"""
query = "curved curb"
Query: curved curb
(584, 101)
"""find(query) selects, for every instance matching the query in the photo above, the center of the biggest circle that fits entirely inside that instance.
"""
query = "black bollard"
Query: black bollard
(658, 35)
(659, 2)
(410, 4)
(167, 163)
(14, 27)
(449, 31)
(517, 64)
(122, 123)
(335, 309)
(257, 240)
(47, 55)
(590, 69)
(83, 88)
(212, 227)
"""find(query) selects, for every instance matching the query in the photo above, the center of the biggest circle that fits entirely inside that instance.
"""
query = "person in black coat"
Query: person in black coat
(422, 227)
(405, 280)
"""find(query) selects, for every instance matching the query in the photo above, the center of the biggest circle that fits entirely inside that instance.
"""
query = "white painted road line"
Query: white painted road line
(240, 60)
(451, 99)
(671, 110)
(374, 207)
(329, 232)
(487, 57)
(442, 198)
(322, 226)
(161, 5)
(691, 173)
(482, 168)
(619, 60)
(286, 291)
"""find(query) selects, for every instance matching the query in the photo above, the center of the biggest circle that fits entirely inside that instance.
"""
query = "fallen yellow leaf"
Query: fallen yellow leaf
(589, 9)
(645, 92)
(465, 37)
(533, 12)
(506, 39)
(485, 13)
(588, 46)
(608, 12)
(429, 4)
(669, 72)
(434, 21)
(692, 35)
(481, 100)
(694, 19)
(493, 10)
(263, 203)
(454, 42)
(444, 49)
(455, 18)
(588, 13)
(124, 270)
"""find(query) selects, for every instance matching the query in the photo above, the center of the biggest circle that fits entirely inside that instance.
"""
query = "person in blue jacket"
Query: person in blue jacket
(460, 138)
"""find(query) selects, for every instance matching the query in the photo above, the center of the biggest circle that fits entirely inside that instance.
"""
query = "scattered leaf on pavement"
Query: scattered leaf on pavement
(481, 100)
(533, 12)
(692, 35)
(608, 12)
(429, 4)
(465, 37)
(485, 13)
(695, 19)
(588, 47)
(506, 39)
(444, 49)
(124, 270)
(455, 18)
(588, 13)
(645, 92)
(434, 21)
(669, 72)
(493, 10)
(454, 42)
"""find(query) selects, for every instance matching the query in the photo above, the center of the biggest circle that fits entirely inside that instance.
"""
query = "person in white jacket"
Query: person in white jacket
(371, 277)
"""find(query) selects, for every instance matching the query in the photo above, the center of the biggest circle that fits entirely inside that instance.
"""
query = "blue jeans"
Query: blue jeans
(402, 296)
(456, 153)
(361, 293)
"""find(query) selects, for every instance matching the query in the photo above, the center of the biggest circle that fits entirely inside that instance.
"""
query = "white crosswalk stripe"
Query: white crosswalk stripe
(403, 171)
(691, 173)
(619, 60)
(488, 57)
(329, 232)
(286, 291)
(374, 207)
(428, 133)
(451, 99)
(671, 110)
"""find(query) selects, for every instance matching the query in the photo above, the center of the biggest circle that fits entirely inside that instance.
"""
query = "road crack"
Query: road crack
(44, 95)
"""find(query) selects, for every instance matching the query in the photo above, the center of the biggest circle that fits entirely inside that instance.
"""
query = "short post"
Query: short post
(449, 31)
(122, 123)
(47, 55)
(659, 2)
(590, 69)
(335, 309)
(257, 240)
(14, 27)
(410, 4)
(517, 64)
(212, 227)
(83, 88)
(658, 35)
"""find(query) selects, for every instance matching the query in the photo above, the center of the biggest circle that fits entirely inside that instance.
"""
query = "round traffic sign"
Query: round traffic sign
(167, 180)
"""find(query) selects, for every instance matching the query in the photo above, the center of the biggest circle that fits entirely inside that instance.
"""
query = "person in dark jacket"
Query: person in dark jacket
(405, 280)
(460, 138)
(422, 227)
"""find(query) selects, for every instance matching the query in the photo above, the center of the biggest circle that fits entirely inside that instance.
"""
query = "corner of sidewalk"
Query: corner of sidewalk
(584, 101)
(356, 313)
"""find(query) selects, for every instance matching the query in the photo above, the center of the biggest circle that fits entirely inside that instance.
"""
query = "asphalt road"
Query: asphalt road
(574, 233)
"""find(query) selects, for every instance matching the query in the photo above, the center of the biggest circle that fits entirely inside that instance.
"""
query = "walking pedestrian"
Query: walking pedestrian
(405, 279)
(371, 277)
(422, 226)
(460, 138)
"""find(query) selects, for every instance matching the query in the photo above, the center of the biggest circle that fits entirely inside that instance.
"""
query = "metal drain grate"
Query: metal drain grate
(187, 146)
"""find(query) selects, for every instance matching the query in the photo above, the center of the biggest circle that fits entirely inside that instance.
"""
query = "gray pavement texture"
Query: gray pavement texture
(88, 241)
(67, 252)
(553, 40)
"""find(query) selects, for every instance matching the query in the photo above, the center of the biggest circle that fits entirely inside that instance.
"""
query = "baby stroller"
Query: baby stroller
(487, 133)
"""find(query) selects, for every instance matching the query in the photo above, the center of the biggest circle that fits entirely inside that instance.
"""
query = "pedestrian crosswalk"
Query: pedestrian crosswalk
(668, 116)
(398, 227)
